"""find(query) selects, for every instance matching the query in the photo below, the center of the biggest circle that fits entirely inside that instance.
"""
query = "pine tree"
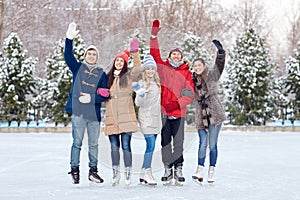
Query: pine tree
(248, 80)
(293, 81)
(60, 79)
(17, 81)
(193, 48)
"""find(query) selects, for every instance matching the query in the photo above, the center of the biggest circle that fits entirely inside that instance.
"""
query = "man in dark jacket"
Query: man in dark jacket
(89, 89)
(176, 93)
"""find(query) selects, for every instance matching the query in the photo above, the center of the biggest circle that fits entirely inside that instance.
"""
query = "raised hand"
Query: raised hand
(72, 32)
(219, 46)
(155, 27)
(134, 45)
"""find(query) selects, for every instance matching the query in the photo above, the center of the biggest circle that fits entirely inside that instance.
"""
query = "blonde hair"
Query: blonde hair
(147, 80)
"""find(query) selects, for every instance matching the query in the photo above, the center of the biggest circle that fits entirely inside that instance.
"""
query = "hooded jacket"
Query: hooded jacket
(86, 80)
(174, 81)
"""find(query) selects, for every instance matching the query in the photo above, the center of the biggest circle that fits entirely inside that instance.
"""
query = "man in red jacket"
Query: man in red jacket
(176, 93)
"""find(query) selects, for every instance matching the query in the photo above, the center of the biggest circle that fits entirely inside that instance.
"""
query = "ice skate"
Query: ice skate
(75, 175)
(94, 177)
(168, 176)
(198, 175)
(210, 177)
(178, 176)
(148, 179)
(116, 175)
(127, 179)
(142, 174)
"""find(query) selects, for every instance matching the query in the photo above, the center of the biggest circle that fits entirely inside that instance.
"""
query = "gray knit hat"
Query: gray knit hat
(148, 62)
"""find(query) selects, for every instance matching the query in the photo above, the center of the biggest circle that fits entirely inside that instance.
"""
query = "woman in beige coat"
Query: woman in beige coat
(120, 114)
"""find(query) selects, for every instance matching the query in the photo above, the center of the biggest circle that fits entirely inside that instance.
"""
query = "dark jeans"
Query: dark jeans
(115, 146)
(172, 137)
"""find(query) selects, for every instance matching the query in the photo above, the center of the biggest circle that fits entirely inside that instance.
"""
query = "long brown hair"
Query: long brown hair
(123, 76)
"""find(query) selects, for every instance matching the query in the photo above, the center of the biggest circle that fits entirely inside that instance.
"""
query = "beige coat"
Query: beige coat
(120, 113)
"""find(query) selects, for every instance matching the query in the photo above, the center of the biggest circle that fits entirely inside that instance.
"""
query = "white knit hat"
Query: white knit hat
(94, 48)
(148, 62)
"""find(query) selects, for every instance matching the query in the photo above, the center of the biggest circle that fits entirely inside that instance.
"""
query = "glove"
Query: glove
(137, 85)
(155, 27)
(85, 98)
(72, 32)
(134, 45)
(172, 106)
(219, 46)
(186, 92)
(141, 92)
(103, 92)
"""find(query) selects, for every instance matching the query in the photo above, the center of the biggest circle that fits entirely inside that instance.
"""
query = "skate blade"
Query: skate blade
(167, 183)
(197, 181)
(97, 184)
(178, 183)
(145, 183)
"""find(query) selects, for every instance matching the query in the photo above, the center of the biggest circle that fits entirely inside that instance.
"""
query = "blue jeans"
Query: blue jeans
(115, 146)
(150, 146)
(79, 124)
(208, 138)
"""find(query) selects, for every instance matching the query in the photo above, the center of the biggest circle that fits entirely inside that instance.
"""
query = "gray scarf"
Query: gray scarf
(175, 64)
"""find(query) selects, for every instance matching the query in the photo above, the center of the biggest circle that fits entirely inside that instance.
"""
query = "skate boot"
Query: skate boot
(178, 176)
(148, 178)
(168, 176)
(198, 175)
(93, 176)
(116, 175)
(75, 175)
(142, 174)
(127, 176)
(210, 177)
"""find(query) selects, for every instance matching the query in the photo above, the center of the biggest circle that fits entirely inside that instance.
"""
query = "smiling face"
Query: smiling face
(175, 56)
(119, 63)
(150, 72)
(91, 56)
(199, 67)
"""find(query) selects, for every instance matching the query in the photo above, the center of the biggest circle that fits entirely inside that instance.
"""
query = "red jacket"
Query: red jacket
(173, 81)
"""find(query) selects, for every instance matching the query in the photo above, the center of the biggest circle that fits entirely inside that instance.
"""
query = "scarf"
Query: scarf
(175, 64)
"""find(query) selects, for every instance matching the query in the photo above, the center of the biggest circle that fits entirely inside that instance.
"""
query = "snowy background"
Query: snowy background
(251, 165)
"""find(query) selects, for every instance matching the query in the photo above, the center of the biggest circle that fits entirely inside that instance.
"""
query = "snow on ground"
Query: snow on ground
(251, 165)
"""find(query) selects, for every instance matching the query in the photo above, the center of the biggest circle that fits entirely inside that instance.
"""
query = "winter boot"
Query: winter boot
(168, 176)
(93, 176)
(178, 176)
(198, 175)
(116, 175)
(127, 176)
(210, 178)
(142, 174)
(75, 175)
(148, 178)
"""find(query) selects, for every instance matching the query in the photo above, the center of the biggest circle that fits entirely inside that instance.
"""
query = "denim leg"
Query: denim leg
(150, 146)
(213, 142)
(93, 130)
(115, 146)
(126, 139)
(78, 128)
(202, 146)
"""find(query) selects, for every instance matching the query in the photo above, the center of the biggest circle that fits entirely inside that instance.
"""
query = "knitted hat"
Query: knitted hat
(148, 62)
(125, 55)
(175, 49)
(91, 47)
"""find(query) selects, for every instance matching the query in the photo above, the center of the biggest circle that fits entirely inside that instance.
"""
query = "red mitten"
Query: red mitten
(155, 27)
(172, 106)
(103, 92)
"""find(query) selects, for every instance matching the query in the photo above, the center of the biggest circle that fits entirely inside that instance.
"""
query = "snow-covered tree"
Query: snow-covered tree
(60, 80)
(248, 80)
(193, 48)
(17, 81)
(293, 81)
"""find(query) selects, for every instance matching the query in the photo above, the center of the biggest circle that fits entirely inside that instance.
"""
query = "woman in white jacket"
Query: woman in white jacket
(149, 115)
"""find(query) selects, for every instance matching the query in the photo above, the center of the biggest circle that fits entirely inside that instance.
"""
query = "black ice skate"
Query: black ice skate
(168, 176)
(75, 175)
(179, 179)
(94, 177)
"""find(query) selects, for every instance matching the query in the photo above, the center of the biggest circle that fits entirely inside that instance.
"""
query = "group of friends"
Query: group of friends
(163, 90)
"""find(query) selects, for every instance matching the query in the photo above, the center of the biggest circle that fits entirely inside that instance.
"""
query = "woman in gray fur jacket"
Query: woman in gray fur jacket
(209, 111)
